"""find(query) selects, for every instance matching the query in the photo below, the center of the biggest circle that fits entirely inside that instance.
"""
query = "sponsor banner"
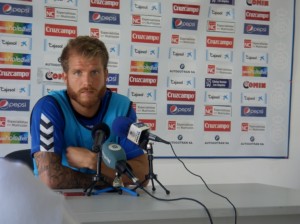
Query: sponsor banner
(143, 7)
(257, 2)
(216, 139)
(257, 15)
(183, 39)
(19, 90)
(144, 66)
(184, 24)
(15, 43)
(180, 109)
(219, 69)
(181, 125)
(145, 108)
(256, 44)
(255, 57)
(181, 82)
(13, 137)
(105, 34)
(14, 122)
(14, 104)
(61, 13)
(219, 42)
(258, 29)
(8, 9)
(254, 98)
(221, 13)
(179, 67)
(254, 85)
(220, 26)
(56, 30)
(253, 126)
(219, 55)
(15, 74)
(104, 18)
(50, 75)
(143, 51)
(218, 126)
(181, 95)
(182, 54)
(49, 88)
(52, 60)
(69, 3)
(10, 27)
(253, 141)
(217, 97)
(217, 110)
(253, 111)
(151, 123)
(145, 20)
(186, 9)
(222, 2)
(181, 139)
(108, 4)
(218, 83)
(9, 58)
(112, 79)
(113, 64)
(54, 45)
(142, 80)
(142, 95)
(255, 71)
(113, 49)
(145, 37)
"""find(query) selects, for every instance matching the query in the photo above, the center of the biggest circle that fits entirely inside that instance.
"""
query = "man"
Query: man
(61, 122)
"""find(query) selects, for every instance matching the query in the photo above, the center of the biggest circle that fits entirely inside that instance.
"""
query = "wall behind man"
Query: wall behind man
(279, 172)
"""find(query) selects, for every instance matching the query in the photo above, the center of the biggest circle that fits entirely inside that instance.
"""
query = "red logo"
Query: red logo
(95, 32)
(50, 12)
(142, 80)
(60, 30)
(219, 42)
(211, 69)
(180, 95)
(257, 15)
(2, 122)
(145, 37)
(208, 110)
(224, 126)
(172, 125)
(151, 123)
(186, 9)
(136, 20)
(109, 4)
(175, 39)
(212, 25)
(244, 127)
(15, 74)
(247, 43)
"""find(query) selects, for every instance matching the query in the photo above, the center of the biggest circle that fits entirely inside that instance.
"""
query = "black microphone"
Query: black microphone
(138, 133)
(114, 157)
(100, 133)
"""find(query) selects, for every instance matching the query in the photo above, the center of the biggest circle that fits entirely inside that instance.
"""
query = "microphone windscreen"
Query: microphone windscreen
(112, 153)
(101, 127)
(121, 126)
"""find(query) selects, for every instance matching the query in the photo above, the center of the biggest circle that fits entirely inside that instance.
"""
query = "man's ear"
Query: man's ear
(65, 77)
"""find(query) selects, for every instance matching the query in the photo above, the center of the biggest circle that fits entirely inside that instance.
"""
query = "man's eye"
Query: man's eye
(78, 73)
(95, 73)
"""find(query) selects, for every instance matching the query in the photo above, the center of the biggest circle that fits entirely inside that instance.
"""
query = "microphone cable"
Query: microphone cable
(222, 196)
(178, 199)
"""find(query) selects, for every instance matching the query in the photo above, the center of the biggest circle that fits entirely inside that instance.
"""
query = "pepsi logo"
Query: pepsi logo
(178, 22)
(173, 109)
(249, 28)
(7, 8)
(246, 110)
(96, 16)
(3, 103)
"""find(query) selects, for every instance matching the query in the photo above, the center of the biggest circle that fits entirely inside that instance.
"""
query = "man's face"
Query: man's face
(86, 82)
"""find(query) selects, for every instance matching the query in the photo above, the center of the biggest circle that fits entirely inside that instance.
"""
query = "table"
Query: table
(255, 203)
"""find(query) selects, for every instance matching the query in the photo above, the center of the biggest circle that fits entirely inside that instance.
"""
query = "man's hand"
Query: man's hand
(79, 157)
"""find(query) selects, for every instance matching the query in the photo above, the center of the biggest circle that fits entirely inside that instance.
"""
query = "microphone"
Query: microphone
(138, 133)
(100, 133)
(114, 157)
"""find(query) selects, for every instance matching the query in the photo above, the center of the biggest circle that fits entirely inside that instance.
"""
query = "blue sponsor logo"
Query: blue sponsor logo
(218, 83)
(184, 24)
(259, 29)
(14, 105)
(222, 2)
(104, 17)
(247, 111)
(15, 10)
(180, 109)
(112, 79)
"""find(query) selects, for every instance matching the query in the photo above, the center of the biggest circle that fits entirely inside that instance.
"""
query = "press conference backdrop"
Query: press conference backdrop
(213, 77)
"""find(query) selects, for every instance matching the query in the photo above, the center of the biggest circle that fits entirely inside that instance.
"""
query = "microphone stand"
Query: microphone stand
(151, 175)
